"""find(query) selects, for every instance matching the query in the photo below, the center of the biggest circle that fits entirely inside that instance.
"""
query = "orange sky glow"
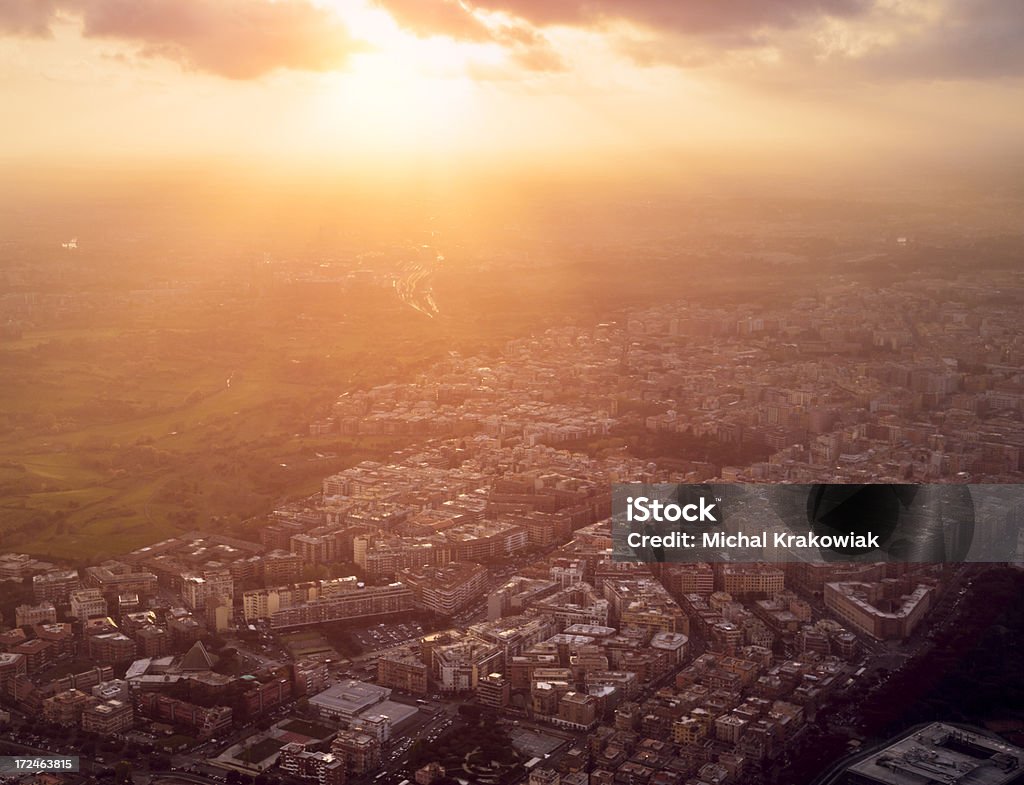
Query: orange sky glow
(375, 85)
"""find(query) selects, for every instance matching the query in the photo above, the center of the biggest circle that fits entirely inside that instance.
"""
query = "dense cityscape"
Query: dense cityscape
(486, 633)
(511, 392)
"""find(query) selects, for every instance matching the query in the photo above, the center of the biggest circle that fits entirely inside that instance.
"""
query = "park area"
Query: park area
(482, 753)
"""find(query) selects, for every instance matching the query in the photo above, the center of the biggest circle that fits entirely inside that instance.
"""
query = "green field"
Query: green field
(125, 425)
(112, 438)
(259, 751)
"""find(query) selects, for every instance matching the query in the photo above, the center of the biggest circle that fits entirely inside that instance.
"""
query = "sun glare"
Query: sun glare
(403, 95)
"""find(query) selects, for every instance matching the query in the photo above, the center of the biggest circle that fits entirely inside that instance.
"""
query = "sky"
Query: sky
(374, 86)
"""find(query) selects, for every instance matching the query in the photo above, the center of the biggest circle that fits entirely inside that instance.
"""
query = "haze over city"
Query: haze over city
(331, 332)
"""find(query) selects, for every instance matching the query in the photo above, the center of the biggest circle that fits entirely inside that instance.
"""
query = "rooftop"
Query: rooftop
(941, 753)
(350, 697)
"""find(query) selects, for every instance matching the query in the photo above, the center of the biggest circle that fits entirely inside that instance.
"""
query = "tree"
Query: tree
(215, 643)
(471, 712)
(417, 753)
(123, 772)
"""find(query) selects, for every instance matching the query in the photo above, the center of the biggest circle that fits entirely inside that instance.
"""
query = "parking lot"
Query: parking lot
(383, 636)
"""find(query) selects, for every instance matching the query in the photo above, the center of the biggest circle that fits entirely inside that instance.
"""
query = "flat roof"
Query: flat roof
(350, 696)
(943, 753)
(397, 713)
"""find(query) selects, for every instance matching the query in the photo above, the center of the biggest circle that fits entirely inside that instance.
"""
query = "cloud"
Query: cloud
(973, 39)
(540, 57)
(931, 41)
(694, 17)
(679, 32)
(438, 17)
(29, 18)
(527, 46)
(237, 39)
(934, 39)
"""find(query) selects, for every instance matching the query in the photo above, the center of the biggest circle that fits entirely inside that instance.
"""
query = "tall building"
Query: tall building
(111, 648)
(206, 722)
(377, 725)
(324, 767)
(311, 676)
(458, 666)
(446, 590)
(183, 629)
(351, 603)
(29, 615)
(65, 708)
(264, 603)
(37, 652)
(696, 578)
(153, 641)
(361, 752)
(55, 586)
(108, 717)
(382, 557)
(675, 644)
(12, 666)
(482, 542)
(642, 602)
(280, 567)
(402, 670)
(576, 604)
(752, 580)
(493, 691)
(60, 636)
(566, 572)
(87, 603)
(219, 613)
(872, 609)
(115, 578)
(516, 595)
(313, 549)
(197, 590)
(18, 566)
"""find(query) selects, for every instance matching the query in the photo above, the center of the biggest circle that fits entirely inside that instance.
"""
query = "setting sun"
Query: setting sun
(388, 100)
(382, 84)
(519, 392)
